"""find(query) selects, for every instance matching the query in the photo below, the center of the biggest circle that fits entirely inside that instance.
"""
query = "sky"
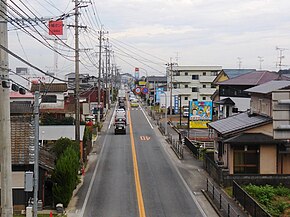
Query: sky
(152, 33)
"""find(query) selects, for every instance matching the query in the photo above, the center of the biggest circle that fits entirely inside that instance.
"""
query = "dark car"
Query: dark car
(122, 105)
(120, 127)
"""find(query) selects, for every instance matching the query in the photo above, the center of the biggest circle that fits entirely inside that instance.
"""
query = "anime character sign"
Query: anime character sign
(200, 110)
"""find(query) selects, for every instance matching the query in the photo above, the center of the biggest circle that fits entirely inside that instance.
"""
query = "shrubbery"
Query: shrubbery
(65, 175)
(273, 199)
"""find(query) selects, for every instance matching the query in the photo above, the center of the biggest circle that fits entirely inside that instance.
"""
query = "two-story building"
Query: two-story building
(245, 145)
(232, 97)
(192, 82)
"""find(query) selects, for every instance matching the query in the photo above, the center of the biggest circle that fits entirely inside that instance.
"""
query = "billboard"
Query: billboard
(200, 113)
(56, 30)
(159, 90)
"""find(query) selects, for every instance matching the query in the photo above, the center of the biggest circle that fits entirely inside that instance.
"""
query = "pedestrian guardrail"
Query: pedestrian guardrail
(249, 204)
(220, 201)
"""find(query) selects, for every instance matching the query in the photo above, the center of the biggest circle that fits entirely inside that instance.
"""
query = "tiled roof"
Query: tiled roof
(22, 143)
(252, 139)
(49, 87)
(253, 78)
(238, 123)
(21, 108)
(232, 73)
(269, 87)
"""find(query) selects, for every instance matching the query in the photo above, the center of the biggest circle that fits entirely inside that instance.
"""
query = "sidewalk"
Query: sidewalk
(196, 177)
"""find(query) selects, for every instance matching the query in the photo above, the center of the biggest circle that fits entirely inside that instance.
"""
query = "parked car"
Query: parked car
(120, 127)
(185, 112)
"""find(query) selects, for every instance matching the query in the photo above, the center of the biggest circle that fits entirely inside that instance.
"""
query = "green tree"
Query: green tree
(65, 176)
(62, 144)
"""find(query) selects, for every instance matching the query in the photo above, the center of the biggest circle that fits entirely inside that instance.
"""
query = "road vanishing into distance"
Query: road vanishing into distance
(134, 177)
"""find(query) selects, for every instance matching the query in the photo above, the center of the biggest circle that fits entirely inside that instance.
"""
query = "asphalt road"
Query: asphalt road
(135, 177)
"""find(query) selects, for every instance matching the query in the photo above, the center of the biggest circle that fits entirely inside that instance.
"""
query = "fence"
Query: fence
(249, 204)
(177, 146)
(192, 147)
(221, 202)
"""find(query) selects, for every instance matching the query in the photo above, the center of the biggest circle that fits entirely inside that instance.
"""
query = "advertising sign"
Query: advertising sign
(200, 110)
(158, 92)
(55, 27)
(200, 113)
(142, 83)
(56, 30)
(176, 104)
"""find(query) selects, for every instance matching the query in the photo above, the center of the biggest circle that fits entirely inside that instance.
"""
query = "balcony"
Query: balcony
(181, 79)
(206, 91)
(206, 79)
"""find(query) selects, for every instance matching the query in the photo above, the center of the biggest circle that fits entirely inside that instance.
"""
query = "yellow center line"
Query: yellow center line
(136, 172)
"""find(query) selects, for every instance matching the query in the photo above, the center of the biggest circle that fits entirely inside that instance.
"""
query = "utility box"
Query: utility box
(29, 211)
(28, 181)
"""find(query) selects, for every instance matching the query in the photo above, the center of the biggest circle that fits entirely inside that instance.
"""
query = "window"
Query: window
(204, 98)
(204, 73)
(186, 86)
(194, 89)
(204, 86)
(185, 98)
(186, 73)
(49, 99)
(246, 159)
(194, 77)
(213, 73)
(176, 73)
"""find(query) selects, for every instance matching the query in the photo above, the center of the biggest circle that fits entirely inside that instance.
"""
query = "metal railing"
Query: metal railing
(249, 204)
(220, 200)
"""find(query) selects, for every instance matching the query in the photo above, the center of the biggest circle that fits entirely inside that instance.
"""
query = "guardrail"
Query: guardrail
(249, 204)
(220, 201)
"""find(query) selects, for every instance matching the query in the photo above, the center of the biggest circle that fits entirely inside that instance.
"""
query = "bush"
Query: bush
(65, 176)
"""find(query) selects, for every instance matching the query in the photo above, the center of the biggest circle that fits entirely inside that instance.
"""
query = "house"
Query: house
(22, 156)
(231, 97)
(244, 143)
(192, 82)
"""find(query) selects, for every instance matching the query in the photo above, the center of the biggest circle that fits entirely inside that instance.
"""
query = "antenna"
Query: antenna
(261, 59)
(239, 62)
(280, 57)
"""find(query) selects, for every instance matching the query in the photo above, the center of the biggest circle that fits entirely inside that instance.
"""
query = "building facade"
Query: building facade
(192, 82)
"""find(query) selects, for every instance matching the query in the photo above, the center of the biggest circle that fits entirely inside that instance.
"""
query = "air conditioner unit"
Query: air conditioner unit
(65, 94)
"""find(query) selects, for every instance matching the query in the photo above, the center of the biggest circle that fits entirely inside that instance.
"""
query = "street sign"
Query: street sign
(144, 90)
(138, 90)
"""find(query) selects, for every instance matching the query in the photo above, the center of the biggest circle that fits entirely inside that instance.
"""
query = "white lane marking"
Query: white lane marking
(146, 117)
(112, 118)
(93, 179)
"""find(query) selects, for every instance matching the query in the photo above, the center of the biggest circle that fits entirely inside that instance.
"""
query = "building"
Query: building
(246, 146)
(231, 97)
(192, 82)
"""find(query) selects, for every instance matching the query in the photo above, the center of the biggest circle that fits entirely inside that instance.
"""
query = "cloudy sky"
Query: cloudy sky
(149, 33)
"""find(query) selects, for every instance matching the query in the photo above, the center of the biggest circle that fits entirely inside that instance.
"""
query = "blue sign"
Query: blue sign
(176, 104)
(158, 92)
(144, 90)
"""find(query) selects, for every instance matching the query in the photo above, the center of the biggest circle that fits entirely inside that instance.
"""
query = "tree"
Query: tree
(65, 176)
(62, 144)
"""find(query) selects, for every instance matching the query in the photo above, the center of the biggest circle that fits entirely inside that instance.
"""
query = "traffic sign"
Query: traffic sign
(144, 90)
(138, 90)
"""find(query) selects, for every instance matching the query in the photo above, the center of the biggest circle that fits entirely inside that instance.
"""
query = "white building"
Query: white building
(192, 82)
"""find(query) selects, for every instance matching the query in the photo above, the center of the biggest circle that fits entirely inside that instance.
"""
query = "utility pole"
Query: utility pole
(99, 78)
(36, 152)
(171, 76)
(5, 125)
(77, 78)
